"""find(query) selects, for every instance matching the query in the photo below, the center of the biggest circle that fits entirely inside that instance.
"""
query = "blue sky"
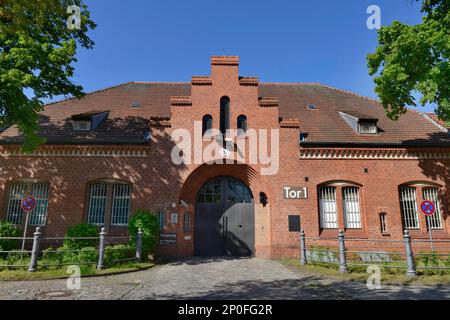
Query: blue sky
(322, 41)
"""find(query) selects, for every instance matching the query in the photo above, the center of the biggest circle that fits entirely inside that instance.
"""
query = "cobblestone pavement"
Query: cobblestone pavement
(220, 278)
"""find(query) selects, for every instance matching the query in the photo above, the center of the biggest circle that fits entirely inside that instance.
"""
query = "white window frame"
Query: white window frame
(17, 191)
(328, 207)
(82, 125)
(408, 207)
(352, 207)
(432, 194)
(105, 200)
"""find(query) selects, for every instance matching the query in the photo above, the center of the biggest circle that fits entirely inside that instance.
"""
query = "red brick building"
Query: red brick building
(342, 165)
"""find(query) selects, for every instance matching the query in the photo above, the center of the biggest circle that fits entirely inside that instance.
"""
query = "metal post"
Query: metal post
(35, 250)
(430, 233)
(139, 245)
(303, 260)
(411, 271)
(342, 257)
(101, 250)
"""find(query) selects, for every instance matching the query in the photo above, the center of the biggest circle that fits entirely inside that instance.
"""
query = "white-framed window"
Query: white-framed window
(82, 125)
(174, 218)
(97, 203)
(408, 205)
(432, 194)
(367, 128)
(328, 208)
(19, 190)
(109, 198)
(352, 211)
(120, 204)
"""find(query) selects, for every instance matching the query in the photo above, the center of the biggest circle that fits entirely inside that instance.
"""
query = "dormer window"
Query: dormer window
(81, 125)
(360, 123)
(89, 120)
(367, 128)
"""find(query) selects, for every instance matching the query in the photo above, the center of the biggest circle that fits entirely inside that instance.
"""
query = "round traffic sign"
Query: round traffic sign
(29, 203)
(428, 207)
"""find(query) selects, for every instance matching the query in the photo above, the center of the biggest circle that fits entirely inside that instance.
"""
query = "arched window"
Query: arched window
(224, 114)
(207, 123)
(109, 203)
(17, 191)
(242, 123)
(411, 195)
(330, 204)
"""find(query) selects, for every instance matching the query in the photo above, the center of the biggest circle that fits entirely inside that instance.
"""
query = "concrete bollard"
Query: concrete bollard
(139, 245)
(101, 250)
(342, 256)
(411, 268)
(303, 260)
(35, 250)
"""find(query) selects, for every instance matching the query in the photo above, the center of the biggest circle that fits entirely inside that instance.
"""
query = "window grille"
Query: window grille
(408, 205)
(39, 215)
(328, 213)
(352, 214)
(120, 204)
(434, 221)
(17, 192)
(97, 204)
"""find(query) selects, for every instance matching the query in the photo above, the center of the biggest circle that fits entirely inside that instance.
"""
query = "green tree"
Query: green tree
(37, 52)
(414, 59)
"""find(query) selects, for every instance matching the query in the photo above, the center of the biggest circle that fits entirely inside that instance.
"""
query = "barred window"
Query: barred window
(434, 221)
(20, 190)
(352, 215)
(109, 198)
(97, 204)
(383, 222)
(120, 204)
(327, 205)
(408, 204)
(187, 222)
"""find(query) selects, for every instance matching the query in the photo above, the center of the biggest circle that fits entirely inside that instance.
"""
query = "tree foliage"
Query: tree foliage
(37, 52)
(414, 59)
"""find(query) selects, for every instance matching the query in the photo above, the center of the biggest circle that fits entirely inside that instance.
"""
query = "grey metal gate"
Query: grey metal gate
(224, 219)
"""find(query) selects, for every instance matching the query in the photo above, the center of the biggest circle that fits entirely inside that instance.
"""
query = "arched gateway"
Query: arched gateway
(224, 218)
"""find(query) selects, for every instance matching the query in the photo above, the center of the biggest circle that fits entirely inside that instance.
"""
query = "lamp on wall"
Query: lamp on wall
(263, 198)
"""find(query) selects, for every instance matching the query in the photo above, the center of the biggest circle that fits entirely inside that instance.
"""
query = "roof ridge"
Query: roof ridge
(292, 83)
(161, 82)
(349, 92)
(88, 93)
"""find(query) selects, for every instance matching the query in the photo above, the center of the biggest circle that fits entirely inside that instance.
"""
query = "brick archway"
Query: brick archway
(205, 172)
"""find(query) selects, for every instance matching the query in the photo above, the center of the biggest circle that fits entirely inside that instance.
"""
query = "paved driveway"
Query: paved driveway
(220, 278)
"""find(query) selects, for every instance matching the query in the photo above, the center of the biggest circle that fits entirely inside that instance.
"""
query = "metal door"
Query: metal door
(224, 219)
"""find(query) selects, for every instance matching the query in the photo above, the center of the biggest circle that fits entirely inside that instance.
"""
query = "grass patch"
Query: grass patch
(359, 274)
(60, 272)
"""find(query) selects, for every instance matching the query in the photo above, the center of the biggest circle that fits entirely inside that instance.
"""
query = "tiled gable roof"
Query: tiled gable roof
(128, 125)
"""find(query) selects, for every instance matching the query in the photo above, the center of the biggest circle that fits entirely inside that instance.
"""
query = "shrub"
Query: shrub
(150, 227)
(81, 230)
(88, 254)
(118, 252)
(49, 257)
(7, 229)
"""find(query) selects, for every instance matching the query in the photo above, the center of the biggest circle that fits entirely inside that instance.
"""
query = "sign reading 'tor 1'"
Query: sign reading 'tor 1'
(295, 192)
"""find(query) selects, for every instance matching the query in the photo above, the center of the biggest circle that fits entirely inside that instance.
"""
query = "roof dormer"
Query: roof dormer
(89, 121)
(360, 123)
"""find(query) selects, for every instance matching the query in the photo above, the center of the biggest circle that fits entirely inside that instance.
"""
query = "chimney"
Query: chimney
(224, 68)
